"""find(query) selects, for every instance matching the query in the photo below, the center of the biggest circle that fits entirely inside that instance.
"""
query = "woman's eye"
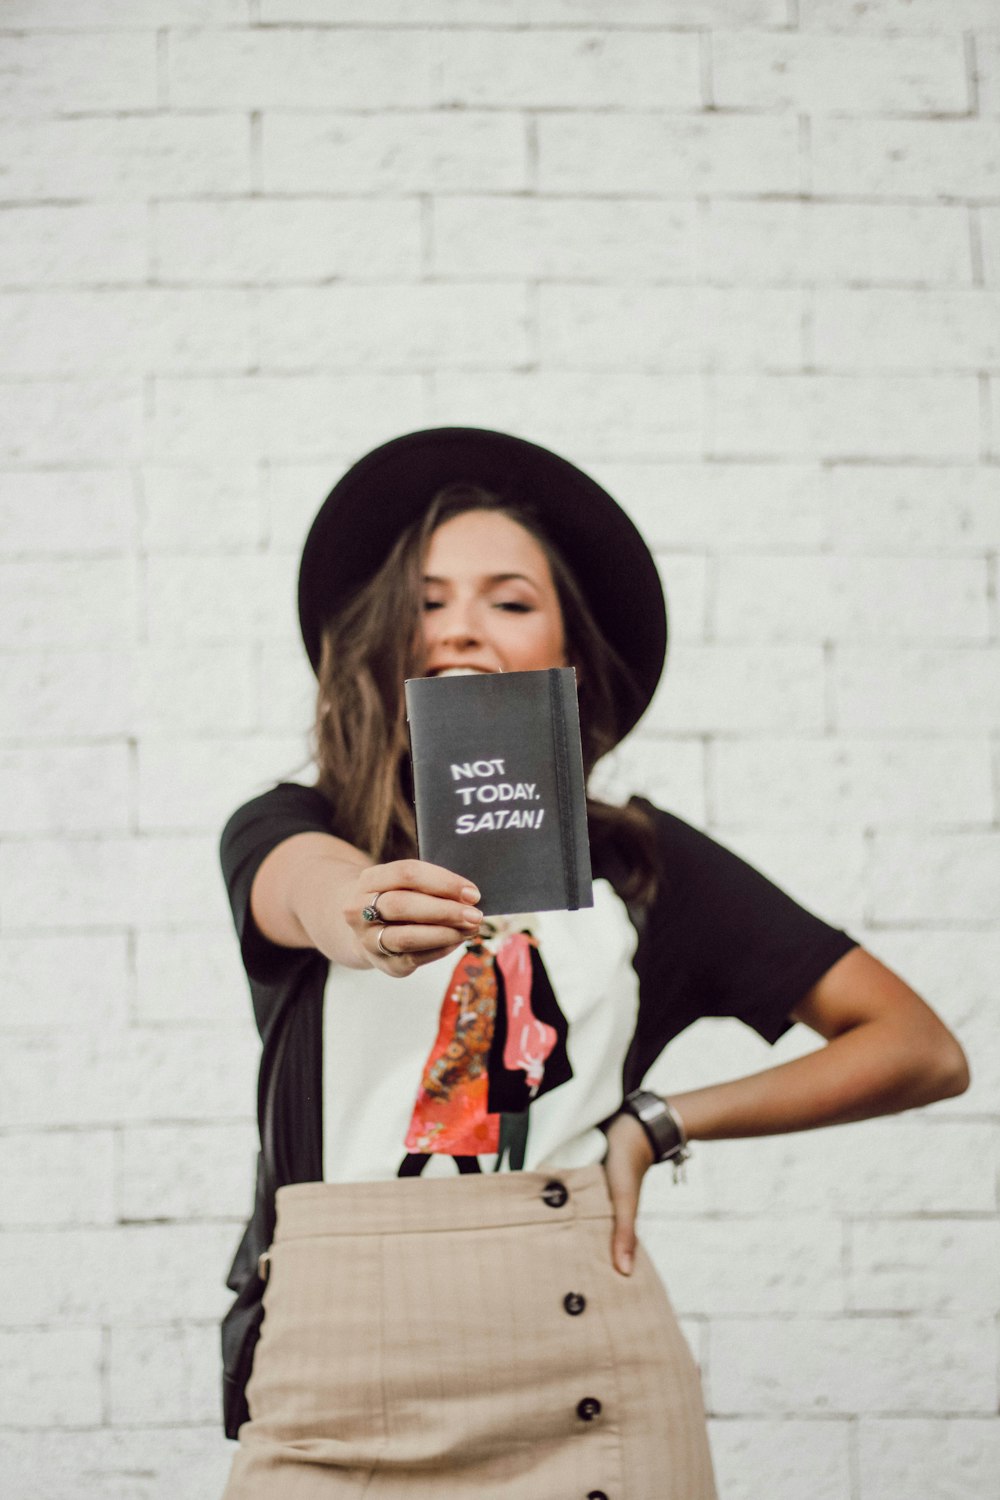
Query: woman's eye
(509, 604)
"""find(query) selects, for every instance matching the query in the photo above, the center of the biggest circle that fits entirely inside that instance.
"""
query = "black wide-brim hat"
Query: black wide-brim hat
(392, 486)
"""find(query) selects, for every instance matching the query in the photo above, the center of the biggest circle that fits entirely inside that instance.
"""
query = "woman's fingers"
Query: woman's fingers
(623, 1238)
(424, 910)
(414, 892)
(413, 907)
(421, 875)
(408, 962)
(419, 941)
(628, 1159)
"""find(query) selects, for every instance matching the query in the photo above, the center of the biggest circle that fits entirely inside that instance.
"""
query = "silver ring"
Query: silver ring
(371, 913)
(385, 952)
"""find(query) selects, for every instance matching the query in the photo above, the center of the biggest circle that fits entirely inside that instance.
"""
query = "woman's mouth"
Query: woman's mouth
(462, 671)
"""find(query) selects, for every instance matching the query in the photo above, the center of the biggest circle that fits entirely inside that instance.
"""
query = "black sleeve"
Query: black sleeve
(251, 833)
(737, 943)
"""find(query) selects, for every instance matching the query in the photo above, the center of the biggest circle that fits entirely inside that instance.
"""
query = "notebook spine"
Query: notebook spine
(567, 830)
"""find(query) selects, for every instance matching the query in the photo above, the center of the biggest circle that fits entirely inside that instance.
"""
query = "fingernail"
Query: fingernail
(470, 894)
(627, 1263)
(471, 917)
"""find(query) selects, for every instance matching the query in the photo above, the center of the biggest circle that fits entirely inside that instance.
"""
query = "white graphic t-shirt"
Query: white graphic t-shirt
(423, 1069)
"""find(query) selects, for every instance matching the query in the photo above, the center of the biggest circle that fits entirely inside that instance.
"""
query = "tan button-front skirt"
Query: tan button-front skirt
(463, 1337)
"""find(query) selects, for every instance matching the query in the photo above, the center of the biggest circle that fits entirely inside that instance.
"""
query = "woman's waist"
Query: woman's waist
(418, 1205)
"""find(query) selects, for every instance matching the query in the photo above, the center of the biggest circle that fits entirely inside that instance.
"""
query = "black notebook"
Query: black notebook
(499, 786)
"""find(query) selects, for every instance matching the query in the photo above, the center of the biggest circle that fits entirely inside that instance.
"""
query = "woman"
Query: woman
(460, 1320)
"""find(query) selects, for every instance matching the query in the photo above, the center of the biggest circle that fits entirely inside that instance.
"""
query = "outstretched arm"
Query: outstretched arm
(886, 1051)
(311, 889)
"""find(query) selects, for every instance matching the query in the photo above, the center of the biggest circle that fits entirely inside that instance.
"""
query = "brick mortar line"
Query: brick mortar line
(104, 1376)
(621, 282)
(982, 1317)
(532, 155)
(893, 32)
(532, 328)
(526, 28)
(811, 461)
(705, 68)
(162, 68)
(544, 366)
(854, 1469)
(447, 109)
(987, 451)
(976, 257)
(427, 227)
(971, 72)
(256, 151)
(696, 197)
(547, 195)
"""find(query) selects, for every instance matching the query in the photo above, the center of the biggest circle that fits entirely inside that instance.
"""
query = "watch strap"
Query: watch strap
(663, 1126)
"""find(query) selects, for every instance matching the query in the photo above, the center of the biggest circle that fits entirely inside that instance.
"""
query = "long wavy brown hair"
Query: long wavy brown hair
(359, 738)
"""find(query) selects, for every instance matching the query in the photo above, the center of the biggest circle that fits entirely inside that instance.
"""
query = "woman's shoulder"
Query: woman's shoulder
(667, 824)
(678, 842)
(678, 837)
(699, 874)
(706, 887)
(287, 806)
(278, 794)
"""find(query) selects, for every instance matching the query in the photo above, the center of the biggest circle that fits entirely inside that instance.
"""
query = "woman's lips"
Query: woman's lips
(463, 672)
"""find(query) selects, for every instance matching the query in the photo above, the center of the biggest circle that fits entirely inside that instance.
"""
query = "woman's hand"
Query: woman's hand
(628, 1159)
(426, 912)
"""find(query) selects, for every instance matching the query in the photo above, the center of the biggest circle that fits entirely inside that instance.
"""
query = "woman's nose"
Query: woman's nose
(456, 625)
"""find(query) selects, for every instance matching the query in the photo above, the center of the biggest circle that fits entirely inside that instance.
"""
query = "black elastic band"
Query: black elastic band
(567, 832)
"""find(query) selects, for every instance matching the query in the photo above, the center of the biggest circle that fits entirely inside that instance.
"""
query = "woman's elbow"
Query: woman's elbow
(946, 1069)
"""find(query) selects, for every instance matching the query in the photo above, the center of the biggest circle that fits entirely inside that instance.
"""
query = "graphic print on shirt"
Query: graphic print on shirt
(529, 1022)
(492, 1052)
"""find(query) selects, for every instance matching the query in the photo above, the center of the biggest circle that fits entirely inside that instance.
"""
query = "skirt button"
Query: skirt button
(588, 1408)
(554, 1194)
(596, 1495)
(574, 1303)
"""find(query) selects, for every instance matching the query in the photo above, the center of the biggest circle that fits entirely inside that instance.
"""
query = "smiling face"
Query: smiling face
(489, 600)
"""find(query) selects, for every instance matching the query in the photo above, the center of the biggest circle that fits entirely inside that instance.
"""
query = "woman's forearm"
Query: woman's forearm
(872, 1069)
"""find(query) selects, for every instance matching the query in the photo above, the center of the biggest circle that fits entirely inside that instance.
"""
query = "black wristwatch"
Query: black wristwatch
(663, 1126)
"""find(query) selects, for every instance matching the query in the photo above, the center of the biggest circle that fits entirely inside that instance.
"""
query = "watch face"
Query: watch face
(664, 1130)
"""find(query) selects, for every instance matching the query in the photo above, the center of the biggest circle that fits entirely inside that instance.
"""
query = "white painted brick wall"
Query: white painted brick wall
(253, 241)
(868, 1365)
(677, 154)
(861, 75)
(812, 243)
(465, 151)
(754, 1457)
(956, 1453)
(738, 256)
(102, 243)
